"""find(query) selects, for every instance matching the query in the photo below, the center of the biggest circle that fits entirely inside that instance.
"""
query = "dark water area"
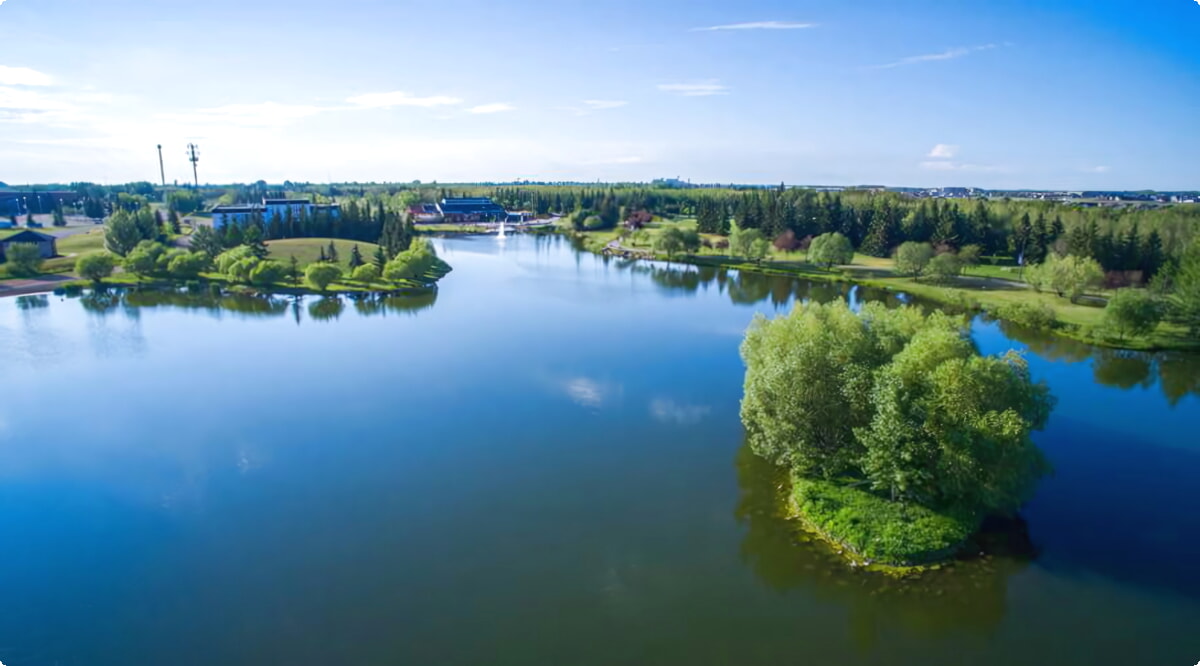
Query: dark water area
(540, 464)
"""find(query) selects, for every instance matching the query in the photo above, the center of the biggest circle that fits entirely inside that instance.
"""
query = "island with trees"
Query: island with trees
(900, 437)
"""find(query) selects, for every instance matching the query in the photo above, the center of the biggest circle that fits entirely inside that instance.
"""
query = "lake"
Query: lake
(543, 464)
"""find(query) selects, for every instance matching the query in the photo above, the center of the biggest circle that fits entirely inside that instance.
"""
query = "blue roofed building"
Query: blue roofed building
(482, 209)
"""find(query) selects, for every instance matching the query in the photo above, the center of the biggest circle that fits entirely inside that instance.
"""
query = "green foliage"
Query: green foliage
(225, 261)
(95, 267)
(59, 219)
(252, 238)
(912, 258)
(691, 240)
(1068, 277)
(24, 259)
(240, 270)
(366, 273)
(670, 241)
(293, 269)
(143, 258)
(322, 274)
(267, 273)
(126, 229)
(188, 266)
(944, 266)
(830, 249)
(205, 240)
(356, 258)
(184, 201)
(1185, 297)
(901, 401)
(970, 255)
(1035, 315)
(1132, 312)
(877, 529)
(413, 263)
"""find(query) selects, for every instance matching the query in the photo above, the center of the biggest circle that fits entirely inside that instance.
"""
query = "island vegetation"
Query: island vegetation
(900, 437)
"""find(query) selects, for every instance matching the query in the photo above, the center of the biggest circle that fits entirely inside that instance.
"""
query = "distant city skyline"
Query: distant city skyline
(1011, 94)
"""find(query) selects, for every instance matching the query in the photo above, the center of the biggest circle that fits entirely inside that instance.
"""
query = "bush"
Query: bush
(321, 275)
(95, 267)
(267, 273)
(367, 273)
(24, 259)
(1132, 312)
(913, 257)
(1038, 316)
(943, 267)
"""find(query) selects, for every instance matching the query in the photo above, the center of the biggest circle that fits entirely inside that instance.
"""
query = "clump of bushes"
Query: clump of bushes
(1039, 316)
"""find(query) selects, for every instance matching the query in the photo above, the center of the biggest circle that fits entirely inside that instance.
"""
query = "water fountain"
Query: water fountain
(501, 236)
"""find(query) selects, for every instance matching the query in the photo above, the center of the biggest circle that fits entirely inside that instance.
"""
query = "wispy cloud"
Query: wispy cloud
(948, 54)
(1100, 169)
(758, 25)
(669, 411)
(960, 166)
(943, 151)
(698, 89)
(388, 100)
(23, 76)
(498, 107)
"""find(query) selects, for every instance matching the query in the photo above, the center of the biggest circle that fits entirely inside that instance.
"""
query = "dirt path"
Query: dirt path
(39, 285)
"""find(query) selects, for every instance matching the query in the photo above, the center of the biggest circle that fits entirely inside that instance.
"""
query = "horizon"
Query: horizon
(995, 97)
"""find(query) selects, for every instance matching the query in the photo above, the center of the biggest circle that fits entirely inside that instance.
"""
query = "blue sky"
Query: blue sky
(1056, 94)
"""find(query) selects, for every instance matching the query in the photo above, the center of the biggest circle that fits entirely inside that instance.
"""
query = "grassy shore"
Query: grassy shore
(874, 531)
(308, 250)
(991, 289)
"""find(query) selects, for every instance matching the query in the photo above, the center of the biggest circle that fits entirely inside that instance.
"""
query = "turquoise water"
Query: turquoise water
(541, 465)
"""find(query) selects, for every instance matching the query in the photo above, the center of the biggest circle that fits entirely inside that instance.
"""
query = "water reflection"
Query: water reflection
(131, 302)
(969, 596)
(1176, 373)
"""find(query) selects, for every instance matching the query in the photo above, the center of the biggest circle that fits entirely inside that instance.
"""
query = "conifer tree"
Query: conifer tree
(356, 259)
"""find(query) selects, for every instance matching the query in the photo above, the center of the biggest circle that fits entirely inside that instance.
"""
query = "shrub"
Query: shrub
(1031, 315)
(1132, 312)
(24, 259)
(95, 267)
(366, 273)
(321, 275)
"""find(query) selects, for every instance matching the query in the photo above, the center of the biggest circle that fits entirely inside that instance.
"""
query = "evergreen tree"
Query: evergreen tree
(356, 259)
(253, 239)
(232, 235)
(322, 256)
(1150, 255)
(293, 269)
(332, 253)
(176, 227)
(380, 258)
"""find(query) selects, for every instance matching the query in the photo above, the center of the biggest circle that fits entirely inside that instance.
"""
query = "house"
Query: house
(269, 209)
(461, 211)
(425, 214)
(46, 243)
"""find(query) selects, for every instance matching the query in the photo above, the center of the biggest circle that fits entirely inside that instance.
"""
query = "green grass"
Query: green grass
(877, 530)
(308, 250)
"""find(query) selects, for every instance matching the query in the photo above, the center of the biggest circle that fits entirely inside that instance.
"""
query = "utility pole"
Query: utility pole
(161, 171)
(194, 157)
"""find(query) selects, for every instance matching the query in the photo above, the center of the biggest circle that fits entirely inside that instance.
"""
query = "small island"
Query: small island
(900, 437)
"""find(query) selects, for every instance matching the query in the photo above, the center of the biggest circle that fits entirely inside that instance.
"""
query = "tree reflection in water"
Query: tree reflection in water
(967, 596)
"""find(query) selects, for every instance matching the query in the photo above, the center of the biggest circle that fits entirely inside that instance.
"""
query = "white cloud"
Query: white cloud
(698, 89)
(497, 107)
(1101, 169)
(758, 25)
(585, 392)
(959, 166)
(389, 100)
(943, 151)
(668, 411)
(949, 54)
(602, 104)
(23, 76)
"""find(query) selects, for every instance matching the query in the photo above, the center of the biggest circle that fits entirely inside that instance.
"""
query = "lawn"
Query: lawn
(308, 250)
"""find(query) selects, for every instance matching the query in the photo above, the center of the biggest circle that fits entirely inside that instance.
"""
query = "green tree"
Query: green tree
(24, 259)
(1132, 312)
(122, 233)
(240, 270)
(265, 273)
(95, 267)
(944, 266)
(189, 265)
(379, 258)
(830, 249)
(1069, 277)
(225, 261)
(912, 258)
(59, 219)
(741, 241)
(969, 255)
(759, 249)
(321, 275)
(142, 260)
(293, 269)
(173, 218)
(253, 239)
(205, 240)
(1185, 279)
(366, 273)
(670, 242)
(356, 258)
(691, 241)
(332, 253)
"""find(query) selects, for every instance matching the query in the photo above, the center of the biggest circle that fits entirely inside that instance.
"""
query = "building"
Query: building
(269, 209)
(45, 242)
(462, 211)
(425, 214)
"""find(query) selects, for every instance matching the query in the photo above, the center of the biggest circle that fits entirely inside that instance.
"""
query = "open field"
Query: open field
(308, 250)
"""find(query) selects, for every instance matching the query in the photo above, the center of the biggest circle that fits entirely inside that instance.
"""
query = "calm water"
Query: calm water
(543, 465)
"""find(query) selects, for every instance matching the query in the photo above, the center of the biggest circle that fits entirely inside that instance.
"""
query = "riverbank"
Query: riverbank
(976, 294)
